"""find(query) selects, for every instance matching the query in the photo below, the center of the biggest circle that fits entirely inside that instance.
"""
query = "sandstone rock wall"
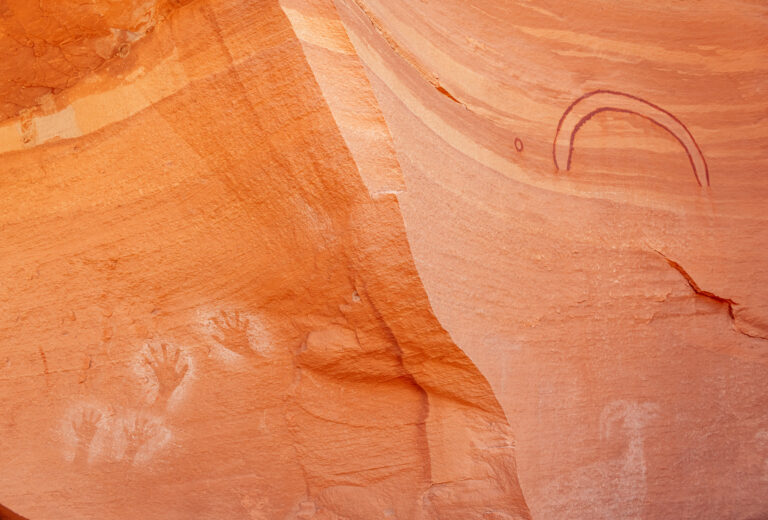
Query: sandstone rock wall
(217, 216)
(210, 311)
(585, 200)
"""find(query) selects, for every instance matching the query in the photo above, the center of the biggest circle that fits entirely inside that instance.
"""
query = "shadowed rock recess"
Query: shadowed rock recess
(383, 259)
(7, 514)
(207, 313)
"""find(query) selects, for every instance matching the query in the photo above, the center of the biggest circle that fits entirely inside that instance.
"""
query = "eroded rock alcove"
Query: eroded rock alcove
(207, 313)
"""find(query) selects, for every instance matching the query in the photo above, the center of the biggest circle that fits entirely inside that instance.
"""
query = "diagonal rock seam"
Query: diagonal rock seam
(708, 294)
(7, 514)
(407, 56)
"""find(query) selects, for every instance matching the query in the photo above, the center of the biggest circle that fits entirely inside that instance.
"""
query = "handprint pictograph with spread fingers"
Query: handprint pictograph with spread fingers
(138, 433)
(232, 333)
(169, 369)
(85, 428)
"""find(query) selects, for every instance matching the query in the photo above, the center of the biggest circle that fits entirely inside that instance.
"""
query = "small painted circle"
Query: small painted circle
(518, 144)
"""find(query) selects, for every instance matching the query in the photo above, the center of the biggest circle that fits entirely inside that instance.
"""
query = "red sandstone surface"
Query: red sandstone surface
(366, 259)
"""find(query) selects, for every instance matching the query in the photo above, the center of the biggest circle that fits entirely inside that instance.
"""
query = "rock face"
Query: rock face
(7, 514)
(586, 206)
(47, 46)
(218, 215)
(209, 304)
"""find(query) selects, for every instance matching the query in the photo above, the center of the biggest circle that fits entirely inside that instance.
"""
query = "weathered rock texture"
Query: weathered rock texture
(209, 305)
(586, 204)
(47, 46)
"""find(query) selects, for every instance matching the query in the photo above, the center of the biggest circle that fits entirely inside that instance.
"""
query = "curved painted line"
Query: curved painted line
(593, 103)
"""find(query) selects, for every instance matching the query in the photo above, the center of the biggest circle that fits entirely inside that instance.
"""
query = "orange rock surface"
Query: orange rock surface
(586, 204)
(218, 215)
(207, 313)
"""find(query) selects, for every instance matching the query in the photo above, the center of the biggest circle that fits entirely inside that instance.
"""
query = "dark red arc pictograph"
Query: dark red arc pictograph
(589, 105)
